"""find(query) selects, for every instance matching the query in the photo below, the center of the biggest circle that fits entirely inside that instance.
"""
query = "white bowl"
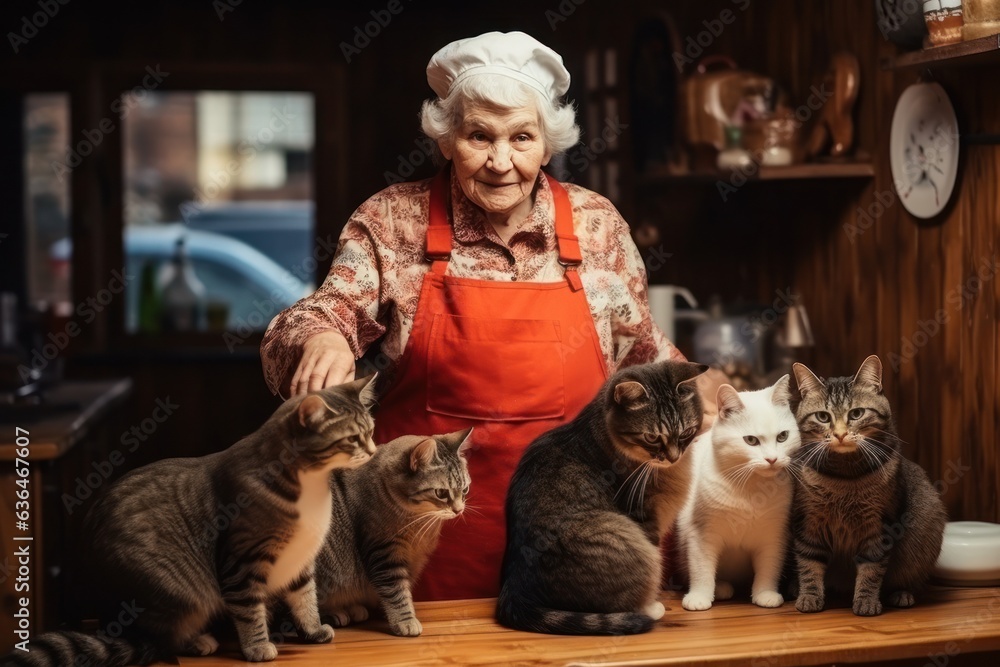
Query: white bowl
(970, 554)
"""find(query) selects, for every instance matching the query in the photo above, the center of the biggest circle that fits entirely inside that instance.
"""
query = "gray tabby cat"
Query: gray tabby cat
(186, 541)
(387, 518)
(865, 520)
(590, 502)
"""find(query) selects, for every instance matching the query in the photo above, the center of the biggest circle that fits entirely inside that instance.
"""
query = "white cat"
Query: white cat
(734, 525)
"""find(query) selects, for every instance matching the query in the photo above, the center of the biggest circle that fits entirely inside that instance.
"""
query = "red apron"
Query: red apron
(513, 360)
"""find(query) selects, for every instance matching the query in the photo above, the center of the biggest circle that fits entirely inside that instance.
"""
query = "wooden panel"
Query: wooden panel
(732, 633)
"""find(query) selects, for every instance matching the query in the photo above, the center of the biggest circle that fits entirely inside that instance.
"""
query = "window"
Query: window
(218, 208)
(47, 200)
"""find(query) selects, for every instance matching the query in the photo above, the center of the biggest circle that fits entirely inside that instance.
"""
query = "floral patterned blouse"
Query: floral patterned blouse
(373, 286)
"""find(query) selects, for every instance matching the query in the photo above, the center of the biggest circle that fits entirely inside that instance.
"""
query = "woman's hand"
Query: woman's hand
(327, 360)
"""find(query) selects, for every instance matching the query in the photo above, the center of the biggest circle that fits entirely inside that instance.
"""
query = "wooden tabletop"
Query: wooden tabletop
(956, 621)
(82, 404)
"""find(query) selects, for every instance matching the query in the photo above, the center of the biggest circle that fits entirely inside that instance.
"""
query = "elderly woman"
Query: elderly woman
(503, 298)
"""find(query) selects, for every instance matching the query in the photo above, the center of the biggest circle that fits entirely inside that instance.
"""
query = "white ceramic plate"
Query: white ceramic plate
(923, 149)
(970, 554)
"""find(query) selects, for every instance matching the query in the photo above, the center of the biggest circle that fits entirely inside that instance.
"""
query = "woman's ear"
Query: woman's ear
(547, 158)
(446, 147)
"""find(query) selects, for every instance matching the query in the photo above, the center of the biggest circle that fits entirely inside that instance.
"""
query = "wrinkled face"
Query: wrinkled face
(497, 154)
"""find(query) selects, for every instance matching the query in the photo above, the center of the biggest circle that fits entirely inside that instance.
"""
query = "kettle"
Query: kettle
(661, 307)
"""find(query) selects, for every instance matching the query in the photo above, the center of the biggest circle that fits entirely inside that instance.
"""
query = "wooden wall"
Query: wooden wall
(880, 290)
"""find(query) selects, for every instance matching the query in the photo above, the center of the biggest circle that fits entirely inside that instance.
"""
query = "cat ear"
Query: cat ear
(630, 395)
(685, 371)
(459, 441)
(364, 387)
(423, 454)
(313, 411)
(781, 393)
(728, 401)
(870, 374)
(805, 379)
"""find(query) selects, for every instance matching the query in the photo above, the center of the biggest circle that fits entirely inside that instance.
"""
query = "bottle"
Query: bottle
(149, 300)
(183, 299)
(734, 156)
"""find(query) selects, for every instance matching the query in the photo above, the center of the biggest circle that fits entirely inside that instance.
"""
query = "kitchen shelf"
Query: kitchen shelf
(812, 170)
(984, 50)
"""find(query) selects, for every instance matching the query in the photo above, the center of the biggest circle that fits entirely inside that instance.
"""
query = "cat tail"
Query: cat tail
(58, 649)
(522, 615)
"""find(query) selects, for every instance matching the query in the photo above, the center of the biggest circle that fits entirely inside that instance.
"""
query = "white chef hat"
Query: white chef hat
(512, 54)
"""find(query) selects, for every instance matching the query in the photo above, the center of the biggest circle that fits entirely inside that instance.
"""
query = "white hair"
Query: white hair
(440, 119)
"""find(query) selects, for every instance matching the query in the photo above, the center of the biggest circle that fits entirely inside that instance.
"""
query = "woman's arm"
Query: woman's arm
(314, 343)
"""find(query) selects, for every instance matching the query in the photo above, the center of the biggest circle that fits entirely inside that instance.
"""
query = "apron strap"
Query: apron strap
(439, 229)
(439, 232)
(569, 246)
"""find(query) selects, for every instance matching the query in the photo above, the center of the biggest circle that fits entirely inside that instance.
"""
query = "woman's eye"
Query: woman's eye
(783, 436)
(751, 440)
(651, 438)
(823, 417)
(856, 413)
(442, 494)
(477, 136)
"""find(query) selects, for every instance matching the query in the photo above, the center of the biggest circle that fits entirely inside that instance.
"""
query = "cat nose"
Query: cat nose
(772, 461)
(842, 436)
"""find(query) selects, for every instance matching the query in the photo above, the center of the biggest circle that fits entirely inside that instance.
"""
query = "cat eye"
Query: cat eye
(442, 494)
(465, 491)
(856, 413)
(688, 433)
(751, 440)
(783, 436)
(651, 438)
(822, 417)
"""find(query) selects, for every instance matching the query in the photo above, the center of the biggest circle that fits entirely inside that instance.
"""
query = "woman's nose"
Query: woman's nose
(499, 158)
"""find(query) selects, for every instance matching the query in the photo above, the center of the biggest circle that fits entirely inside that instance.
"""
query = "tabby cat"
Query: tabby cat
(866, 521)
(590, 502)
(734, 527)
(185, 541)
(387, 518)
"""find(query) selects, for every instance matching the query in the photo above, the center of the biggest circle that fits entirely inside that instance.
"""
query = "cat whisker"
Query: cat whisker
(631, 475)
(422, 517)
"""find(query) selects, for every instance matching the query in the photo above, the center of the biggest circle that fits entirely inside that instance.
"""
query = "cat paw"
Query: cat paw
(902, 599)
(696, 602)
(204, 644)
(358, 613)
(867, 606)
(322, 635)
(340, 618)
(723, 590)
(410, 628)
(655, 610)
(768, 599)
(809, 604)
(264, 652)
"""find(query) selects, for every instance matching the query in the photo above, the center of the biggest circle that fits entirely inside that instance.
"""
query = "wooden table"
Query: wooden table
(84, 410)
(963, 622)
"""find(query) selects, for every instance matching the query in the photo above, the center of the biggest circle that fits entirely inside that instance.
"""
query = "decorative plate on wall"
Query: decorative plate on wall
(923, 149)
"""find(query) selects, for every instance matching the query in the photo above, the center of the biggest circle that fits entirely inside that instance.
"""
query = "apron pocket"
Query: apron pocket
(495, 369)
